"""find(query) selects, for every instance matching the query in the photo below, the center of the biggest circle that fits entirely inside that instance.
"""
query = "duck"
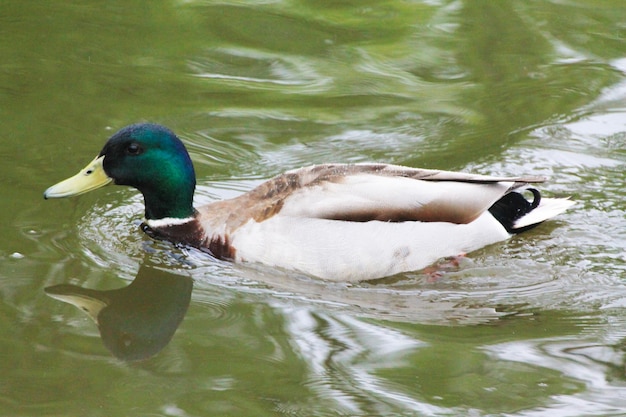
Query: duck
(334, 221)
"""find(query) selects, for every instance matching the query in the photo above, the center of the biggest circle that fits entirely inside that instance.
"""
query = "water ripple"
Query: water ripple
(345, 354)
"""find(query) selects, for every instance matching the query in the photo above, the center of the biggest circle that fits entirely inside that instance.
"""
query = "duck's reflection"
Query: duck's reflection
(137, 321)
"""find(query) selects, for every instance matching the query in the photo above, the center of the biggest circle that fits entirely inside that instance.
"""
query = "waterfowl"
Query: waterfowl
(340, 222)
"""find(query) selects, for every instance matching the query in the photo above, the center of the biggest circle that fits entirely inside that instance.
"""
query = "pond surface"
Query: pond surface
(532, 326)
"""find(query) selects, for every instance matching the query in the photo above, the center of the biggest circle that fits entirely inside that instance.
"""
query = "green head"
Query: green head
(145, 156)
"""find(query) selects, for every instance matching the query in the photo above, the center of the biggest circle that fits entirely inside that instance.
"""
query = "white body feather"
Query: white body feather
(355, 251)
(372, 192)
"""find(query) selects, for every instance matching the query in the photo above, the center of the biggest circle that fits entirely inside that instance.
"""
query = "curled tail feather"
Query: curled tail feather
(517, 214)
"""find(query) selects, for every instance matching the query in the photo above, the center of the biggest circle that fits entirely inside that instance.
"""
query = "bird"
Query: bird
(334, 221)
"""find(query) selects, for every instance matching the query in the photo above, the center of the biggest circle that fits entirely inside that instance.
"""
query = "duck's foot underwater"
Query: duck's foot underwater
(435, 272)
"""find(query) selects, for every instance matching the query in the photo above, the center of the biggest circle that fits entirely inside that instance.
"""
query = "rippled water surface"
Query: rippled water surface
(532, 326)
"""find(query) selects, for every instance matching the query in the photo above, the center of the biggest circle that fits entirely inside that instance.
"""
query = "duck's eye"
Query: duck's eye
(133, 149)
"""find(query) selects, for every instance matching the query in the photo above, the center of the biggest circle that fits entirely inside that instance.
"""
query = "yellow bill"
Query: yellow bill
(87, 179)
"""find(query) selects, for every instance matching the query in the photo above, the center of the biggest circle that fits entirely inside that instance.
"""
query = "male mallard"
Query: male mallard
(335, 221)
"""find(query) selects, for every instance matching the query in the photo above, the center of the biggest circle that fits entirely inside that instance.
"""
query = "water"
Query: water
(530, 327)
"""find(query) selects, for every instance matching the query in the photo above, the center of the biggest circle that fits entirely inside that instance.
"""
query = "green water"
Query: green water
(530, 327)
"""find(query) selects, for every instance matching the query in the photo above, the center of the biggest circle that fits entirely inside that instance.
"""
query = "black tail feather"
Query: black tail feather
(514, 206)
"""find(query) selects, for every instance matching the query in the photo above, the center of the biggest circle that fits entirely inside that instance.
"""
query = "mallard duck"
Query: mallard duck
(340, 222)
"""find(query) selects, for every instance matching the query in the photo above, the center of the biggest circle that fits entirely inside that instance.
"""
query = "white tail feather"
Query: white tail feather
(548, 207)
